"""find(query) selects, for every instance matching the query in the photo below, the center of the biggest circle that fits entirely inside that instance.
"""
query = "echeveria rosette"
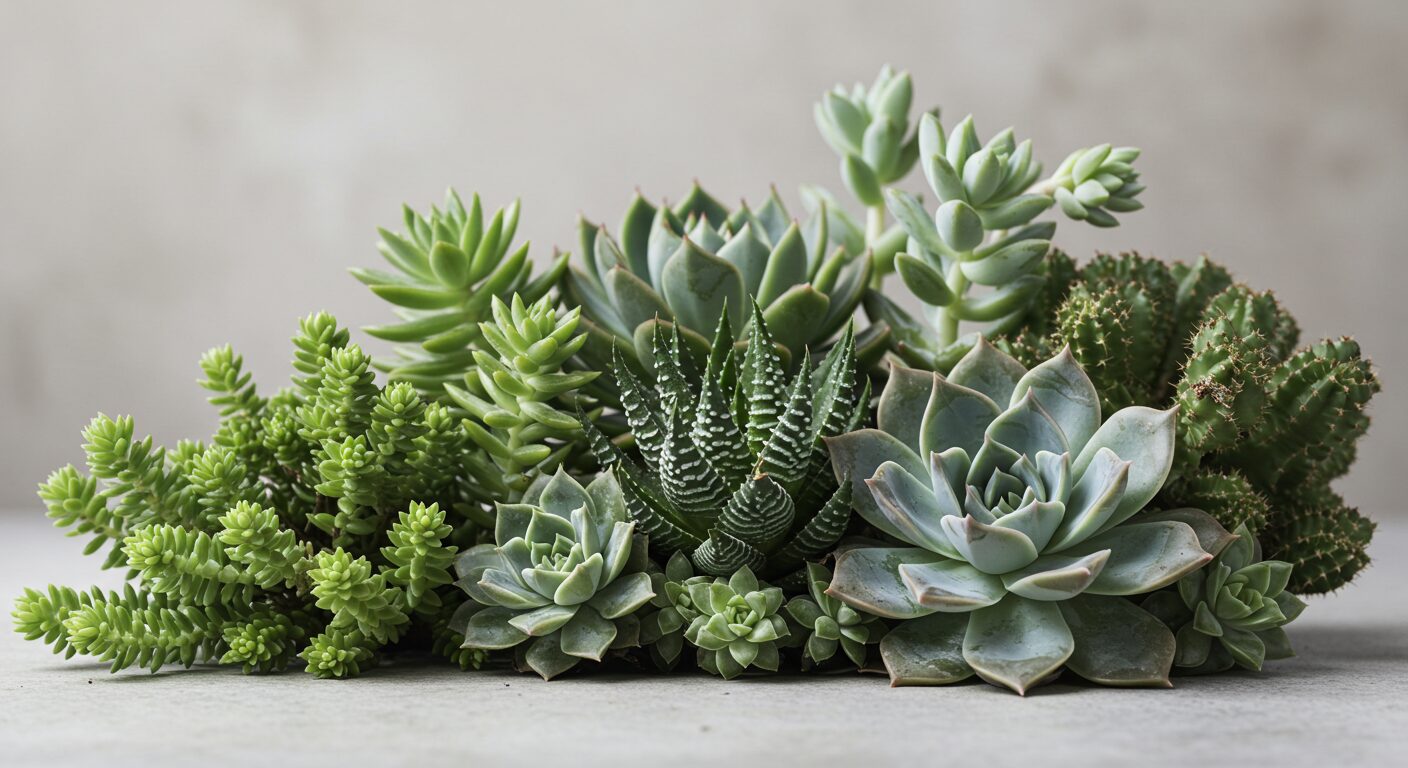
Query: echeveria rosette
(829, 625)
(689, 265)
(738, 625)
(1230, 613)
(1015, 519)
(564, 579)
(662, 629)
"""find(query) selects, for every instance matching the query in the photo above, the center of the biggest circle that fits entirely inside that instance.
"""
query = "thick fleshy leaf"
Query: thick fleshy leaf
(1246, 647)
(699, 284)
(868, 578)
(1142, 436)
(911, 507)
(1027, 428)
(792, 317)
(623, 596)
(1212, 537)
(856, 455)
(1056, 577)
(607, 498)
(1118, 643)
(955, 417)
(1037, 520)
(786, 266)
(746, 252)
(545, 620)
(1093, 501)
(511, 521)
(927, 651)
(544, 528)
(902, 405)
(587, 635)
(989, 548)
(509, 591)
(489, 629)
(545, 657)
(1017, 643)
(632, 299)
(1066, 392)
(581, 583)
(1143, 557)
(947, 473)
(988, 370)
(951, 586)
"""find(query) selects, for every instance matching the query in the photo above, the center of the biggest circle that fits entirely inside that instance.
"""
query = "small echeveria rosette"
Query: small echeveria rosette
(1230, 613)
(738, 625)
(826, 625)
(563, 581)
(670, 612)
(1013, 501)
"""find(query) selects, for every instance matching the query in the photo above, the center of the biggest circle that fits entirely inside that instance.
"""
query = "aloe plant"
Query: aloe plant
(732, 468)
(1015, 507)
(689, 265)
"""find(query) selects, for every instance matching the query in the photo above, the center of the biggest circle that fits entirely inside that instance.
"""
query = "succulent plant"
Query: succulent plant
(982, 232)
(449, 266)
(732, 468)
(1230, 613)
(511, 395)
(562, 581)
(1263, 426)
(738, 625)
(689, 266)
(829, 624)
(662, 629)
(1018, 545)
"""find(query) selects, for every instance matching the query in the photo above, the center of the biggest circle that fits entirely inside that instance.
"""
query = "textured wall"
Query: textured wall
(176, 175)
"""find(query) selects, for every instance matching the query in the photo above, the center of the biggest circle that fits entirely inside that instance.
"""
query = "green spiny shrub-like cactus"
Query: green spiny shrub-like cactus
(690, 265)
(313, 525)
(1263, 426)
(1015, 505)
(563, 580)
(449, 266)
(732, 468)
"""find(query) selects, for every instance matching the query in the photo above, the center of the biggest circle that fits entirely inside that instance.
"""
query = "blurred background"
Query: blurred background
(177, 175)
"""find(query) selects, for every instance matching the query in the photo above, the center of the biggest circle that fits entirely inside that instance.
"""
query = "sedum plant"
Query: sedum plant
(1014, 504)
(732, 468)
(1264, 425)
(828, 625)
(689, 266)
(738, 624)
(449, 266)
(1230, 613)
(317, 523)
(672, 610)
(563, 579)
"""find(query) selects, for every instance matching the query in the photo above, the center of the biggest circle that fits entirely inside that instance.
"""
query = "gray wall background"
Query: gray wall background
(175, 175)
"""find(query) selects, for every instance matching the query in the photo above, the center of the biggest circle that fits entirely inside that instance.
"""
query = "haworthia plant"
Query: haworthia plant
(689, 265)
(1015, 504)
(732, 468)
(1264, 424)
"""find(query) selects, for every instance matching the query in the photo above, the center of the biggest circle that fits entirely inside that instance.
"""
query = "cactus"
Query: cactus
(1264, 426)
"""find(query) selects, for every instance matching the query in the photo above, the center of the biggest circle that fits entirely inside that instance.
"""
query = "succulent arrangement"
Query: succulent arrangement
(662, 453)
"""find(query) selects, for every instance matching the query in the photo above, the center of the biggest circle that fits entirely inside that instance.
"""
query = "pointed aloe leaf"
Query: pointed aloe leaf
(723, 554)
(1118, 643)
(819, 534)
(989, 370)
(951, 585)
(856, 455)
(868, 578)
(655, 517)
(927, 650)
(686, 476)
(697, 284)
(1144, 557)
(639, 403)
(762, 383)
(1056, 577)
(1017, 643)
(1066, 392)
(787, 453)
(760, 513)
(1143, 436)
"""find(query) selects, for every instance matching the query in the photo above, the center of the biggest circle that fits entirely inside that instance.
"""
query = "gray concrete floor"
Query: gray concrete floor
(1342, 701)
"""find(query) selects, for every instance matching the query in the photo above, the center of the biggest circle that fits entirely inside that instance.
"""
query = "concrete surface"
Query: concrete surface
(177, 175)
(1342, 701)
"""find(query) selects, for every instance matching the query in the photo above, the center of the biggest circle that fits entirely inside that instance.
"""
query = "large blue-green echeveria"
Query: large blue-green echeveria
(1014, 504)
(564, 580)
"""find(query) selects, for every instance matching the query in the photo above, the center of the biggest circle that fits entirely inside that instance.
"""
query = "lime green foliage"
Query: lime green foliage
(732, 468)
(672, 609)
(738, 624)
(826, 624)
(512, 394)
(1264, 425)
(449, 266)
(563, 580)
(1230, 613)
(319, 522)
(688, 266)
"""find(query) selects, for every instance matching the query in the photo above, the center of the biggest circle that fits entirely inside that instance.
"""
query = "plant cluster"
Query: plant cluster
(649, 454)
